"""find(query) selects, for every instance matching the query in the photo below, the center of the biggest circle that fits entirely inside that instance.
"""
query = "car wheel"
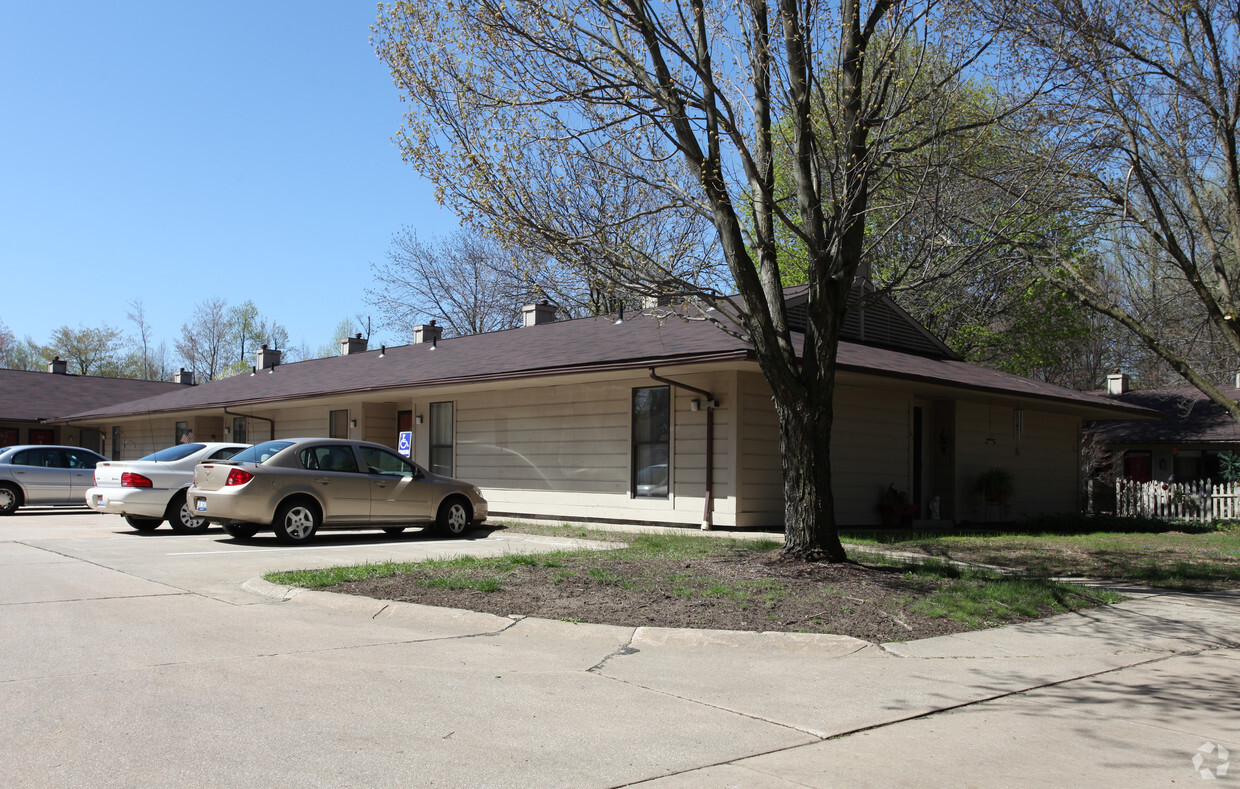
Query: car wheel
(143, 524)
(240, 531)
(10, 499)
(394, 530)
(296, 522)
(454, 517)
(182, 519)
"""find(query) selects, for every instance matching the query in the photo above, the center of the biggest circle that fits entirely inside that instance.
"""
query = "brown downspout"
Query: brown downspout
(252, 416)
(707, 520)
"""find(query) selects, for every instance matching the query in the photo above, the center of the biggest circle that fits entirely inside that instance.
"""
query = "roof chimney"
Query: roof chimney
(268, 357)
(354, 344)
(184, 377)
(427, 332)
(58, 366)
(535, 314)
(1117, 383)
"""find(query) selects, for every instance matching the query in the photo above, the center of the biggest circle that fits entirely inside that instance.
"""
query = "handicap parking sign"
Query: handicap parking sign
(405, 445)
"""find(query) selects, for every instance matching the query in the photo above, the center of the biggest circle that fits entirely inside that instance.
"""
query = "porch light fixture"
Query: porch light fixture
(417, 420)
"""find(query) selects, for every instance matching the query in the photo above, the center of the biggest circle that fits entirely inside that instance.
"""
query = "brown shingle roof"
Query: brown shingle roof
(1191, 418)
(581, 345)
(27, 396)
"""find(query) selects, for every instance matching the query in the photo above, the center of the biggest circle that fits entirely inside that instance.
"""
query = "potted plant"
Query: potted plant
(996, 485)
(895, 508)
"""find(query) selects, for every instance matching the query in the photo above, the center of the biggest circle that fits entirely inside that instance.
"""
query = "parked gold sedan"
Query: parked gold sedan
(297, 486)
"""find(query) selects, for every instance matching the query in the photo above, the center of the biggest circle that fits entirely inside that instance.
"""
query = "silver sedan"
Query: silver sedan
(37, 474)
(297, 486)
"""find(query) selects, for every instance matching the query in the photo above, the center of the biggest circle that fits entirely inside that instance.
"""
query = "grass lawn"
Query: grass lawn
(1189, 557)
(685, 579)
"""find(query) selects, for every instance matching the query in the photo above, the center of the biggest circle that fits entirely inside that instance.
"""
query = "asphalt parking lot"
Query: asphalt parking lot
(162, 659)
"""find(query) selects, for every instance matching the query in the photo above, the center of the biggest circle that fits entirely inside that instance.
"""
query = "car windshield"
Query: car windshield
(260, 453)
(174, 453)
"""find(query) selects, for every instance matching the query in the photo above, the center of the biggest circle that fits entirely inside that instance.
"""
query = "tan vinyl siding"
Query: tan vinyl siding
(870, 449)
(378, 424)
(1043, 461)
(567, 449)
(761, 474)
(305, 421)
(142, 437)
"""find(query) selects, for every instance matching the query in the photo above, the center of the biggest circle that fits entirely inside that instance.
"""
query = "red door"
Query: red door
(1138, 466)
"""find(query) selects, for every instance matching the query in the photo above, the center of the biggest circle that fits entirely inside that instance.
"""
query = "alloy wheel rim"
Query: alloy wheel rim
(299, 522)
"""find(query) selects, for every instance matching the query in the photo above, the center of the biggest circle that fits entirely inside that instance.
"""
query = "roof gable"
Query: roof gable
(873, 318)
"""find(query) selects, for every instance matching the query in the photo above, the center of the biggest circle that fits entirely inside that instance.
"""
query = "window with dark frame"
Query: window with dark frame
(442, 430)
(338, 424)
(238, 429)
(651, 442)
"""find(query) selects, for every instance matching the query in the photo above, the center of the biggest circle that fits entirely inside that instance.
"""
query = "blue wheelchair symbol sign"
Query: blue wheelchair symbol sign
(405, 445)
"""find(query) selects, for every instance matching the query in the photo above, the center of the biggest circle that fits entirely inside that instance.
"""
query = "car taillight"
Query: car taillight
(132, 480)
(238, 477)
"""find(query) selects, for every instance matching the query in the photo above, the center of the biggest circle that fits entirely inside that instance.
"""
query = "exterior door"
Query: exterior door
(1139, 465)
(398, 490)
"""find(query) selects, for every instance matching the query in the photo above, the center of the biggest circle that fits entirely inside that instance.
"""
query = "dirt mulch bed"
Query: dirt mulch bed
(757, 593)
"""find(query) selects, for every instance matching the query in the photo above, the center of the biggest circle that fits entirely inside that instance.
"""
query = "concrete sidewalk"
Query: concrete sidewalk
(115, 674)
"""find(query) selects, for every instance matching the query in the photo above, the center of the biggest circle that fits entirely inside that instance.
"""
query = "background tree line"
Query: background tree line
(216, 341)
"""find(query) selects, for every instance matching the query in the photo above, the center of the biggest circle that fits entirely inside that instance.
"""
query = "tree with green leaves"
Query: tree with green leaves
(638, 141)
(1141, 132)
(89, 351)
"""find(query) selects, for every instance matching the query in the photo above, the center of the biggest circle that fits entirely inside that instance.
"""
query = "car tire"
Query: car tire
(454, 517)
(394, 530)
(182, 519)
(296, 521)
(240, 531)
(10, 499)
(143, 524)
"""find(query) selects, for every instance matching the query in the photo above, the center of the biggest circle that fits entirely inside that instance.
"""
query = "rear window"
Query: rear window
(174, 453)
(260, 453)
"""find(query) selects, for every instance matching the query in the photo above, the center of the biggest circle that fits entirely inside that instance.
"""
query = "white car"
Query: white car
(151, 490)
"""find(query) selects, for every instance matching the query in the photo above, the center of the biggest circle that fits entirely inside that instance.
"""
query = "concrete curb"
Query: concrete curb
(687, 638)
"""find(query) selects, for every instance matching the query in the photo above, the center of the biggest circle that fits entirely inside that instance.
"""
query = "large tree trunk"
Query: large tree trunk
(809, 502)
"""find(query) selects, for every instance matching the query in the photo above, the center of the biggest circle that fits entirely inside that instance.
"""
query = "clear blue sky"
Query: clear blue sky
(175, 152)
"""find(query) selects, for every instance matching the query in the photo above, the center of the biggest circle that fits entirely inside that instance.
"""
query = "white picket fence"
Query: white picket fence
(1191, 501)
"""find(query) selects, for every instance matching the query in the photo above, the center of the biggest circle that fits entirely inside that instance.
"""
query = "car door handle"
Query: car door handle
(323, 480)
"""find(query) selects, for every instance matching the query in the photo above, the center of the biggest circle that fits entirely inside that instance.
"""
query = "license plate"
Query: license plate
(200, 505)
